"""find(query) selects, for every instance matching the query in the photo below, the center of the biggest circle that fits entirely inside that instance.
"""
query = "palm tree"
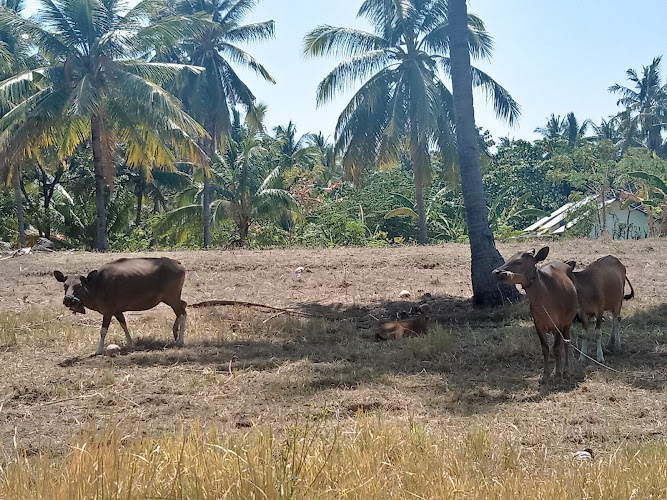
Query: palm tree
(609, 128)
(484, 256)
(567, 128)
(645, 104)
(15, 55)
(573, 130)
(211, 95)
(325, 157)
(294, 152)
(102, 87)
(553, 129)
(243, 189)
(403, 106)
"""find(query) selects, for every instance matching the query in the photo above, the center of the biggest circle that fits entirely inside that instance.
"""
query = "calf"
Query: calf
(552, 296)
(128, 285)
(406, 327)
(600, 287)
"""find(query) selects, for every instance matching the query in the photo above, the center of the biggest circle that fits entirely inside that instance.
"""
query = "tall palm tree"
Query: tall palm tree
(484, 256)
(645, 104)
(403, 106)
(15, 56)
(294, 152)
(609, 128)
(553, 129)
(243, 189)
(101, 87)
(567, 128)
(574, 130)
(211, 95)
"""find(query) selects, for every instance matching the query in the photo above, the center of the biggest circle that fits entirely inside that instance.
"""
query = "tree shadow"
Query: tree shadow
(493, 356)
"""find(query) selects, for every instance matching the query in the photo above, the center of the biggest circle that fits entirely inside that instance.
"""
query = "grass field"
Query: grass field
(266, 405)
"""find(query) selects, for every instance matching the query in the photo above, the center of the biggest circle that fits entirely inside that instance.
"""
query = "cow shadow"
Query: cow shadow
(483, 357)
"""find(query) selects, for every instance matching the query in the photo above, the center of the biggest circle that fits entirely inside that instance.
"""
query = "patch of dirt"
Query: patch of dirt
(244, 367)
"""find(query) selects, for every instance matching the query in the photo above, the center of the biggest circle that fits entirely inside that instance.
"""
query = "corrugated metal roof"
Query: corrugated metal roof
(555, 222)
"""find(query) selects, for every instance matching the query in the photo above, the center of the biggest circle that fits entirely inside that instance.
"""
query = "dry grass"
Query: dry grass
(370, 460)
(430, 402)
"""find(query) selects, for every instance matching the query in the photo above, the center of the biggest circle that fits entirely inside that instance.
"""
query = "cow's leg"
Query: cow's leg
(545, 354)
(558, 351)
(566, 346)
(179, 323)
(615, 338)
(598, 337)
(106, 321)
(584, 338)
(121, 319)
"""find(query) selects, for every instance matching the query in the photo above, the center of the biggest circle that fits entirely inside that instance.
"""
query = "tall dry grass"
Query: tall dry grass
(371, 461)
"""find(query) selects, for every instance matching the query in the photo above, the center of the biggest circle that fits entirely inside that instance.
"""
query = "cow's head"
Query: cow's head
(520, 268)
(76, 290)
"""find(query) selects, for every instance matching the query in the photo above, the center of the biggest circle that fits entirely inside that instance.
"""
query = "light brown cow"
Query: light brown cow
(552, 296)
(406, 327)
(600, 288)
(128, 285)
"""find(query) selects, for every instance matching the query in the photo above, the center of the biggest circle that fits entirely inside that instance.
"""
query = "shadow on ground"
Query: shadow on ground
(485, 357)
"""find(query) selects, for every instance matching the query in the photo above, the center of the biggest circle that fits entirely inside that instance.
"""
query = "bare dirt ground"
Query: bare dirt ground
(244, 366)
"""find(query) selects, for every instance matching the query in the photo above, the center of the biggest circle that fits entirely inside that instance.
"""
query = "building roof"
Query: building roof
(554, 223)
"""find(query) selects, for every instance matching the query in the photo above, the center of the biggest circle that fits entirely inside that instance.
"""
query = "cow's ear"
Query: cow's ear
(542, 254)
(60, 276)
(572, 264)
(91, 275)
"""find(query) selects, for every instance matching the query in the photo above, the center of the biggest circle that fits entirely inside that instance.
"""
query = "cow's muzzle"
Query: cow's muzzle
(74, 303)
(501, 275)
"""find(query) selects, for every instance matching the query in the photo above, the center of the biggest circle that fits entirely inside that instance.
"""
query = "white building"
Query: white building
(629, 223)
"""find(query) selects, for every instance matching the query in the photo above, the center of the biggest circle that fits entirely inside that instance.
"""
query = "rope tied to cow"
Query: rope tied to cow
(569, 342)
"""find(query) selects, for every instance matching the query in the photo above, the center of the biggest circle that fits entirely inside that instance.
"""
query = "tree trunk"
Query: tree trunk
(16, 183)
(244, 226)
(207, 211)
(140, 199)
(484, 255)
(418, 176)
(101, 243)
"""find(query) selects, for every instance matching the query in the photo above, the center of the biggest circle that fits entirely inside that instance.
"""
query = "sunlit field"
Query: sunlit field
(267, 404)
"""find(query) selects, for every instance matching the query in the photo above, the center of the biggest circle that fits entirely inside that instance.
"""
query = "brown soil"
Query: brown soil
(245, 366)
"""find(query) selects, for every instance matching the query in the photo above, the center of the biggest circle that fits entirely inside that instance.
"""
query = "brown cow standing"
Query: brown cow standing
(552, 296)
(600, 287)
(128, 285)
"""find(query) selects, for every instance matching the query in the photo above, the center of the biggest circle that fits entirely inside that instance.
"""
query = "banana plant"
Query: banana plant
(652, 197)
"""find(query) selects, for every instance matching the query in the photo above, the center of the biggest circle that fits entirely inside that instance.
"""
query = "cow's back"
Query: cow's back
(602, 282)
(137, 284)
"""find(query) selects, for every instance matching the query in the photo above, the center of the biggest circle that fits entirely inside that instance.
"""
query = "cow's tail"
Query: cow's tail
(632, 290)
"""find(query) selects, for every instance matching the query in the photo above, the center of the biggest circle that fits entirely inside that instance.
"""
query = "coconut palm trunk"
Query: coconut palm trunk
(16, 183)
(484, 255)
(207, 210)
(101, 243)
(418, 175)
(140, 201)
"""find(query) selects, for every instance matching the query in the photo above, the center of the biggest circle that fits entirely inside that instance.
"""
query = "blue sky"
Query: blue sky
(553, 56)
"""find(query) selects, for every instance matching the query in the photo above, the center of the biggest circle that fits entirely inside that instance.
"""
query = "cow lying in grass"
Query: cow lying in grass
(600, 287)
(128, 285)
(552, 296)
(410, 327)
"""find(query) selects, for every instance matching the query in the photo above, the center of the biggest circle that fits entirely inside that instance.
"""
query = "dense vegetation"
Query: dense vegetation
(111, 140)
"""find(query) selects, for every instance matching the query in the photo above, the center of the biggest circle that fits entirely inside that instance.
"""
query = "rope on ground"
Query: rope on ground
(212, 303)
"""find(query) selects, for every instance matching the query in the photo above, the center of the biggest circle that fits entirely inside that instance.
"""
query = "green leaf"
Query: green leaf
(402, 211)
